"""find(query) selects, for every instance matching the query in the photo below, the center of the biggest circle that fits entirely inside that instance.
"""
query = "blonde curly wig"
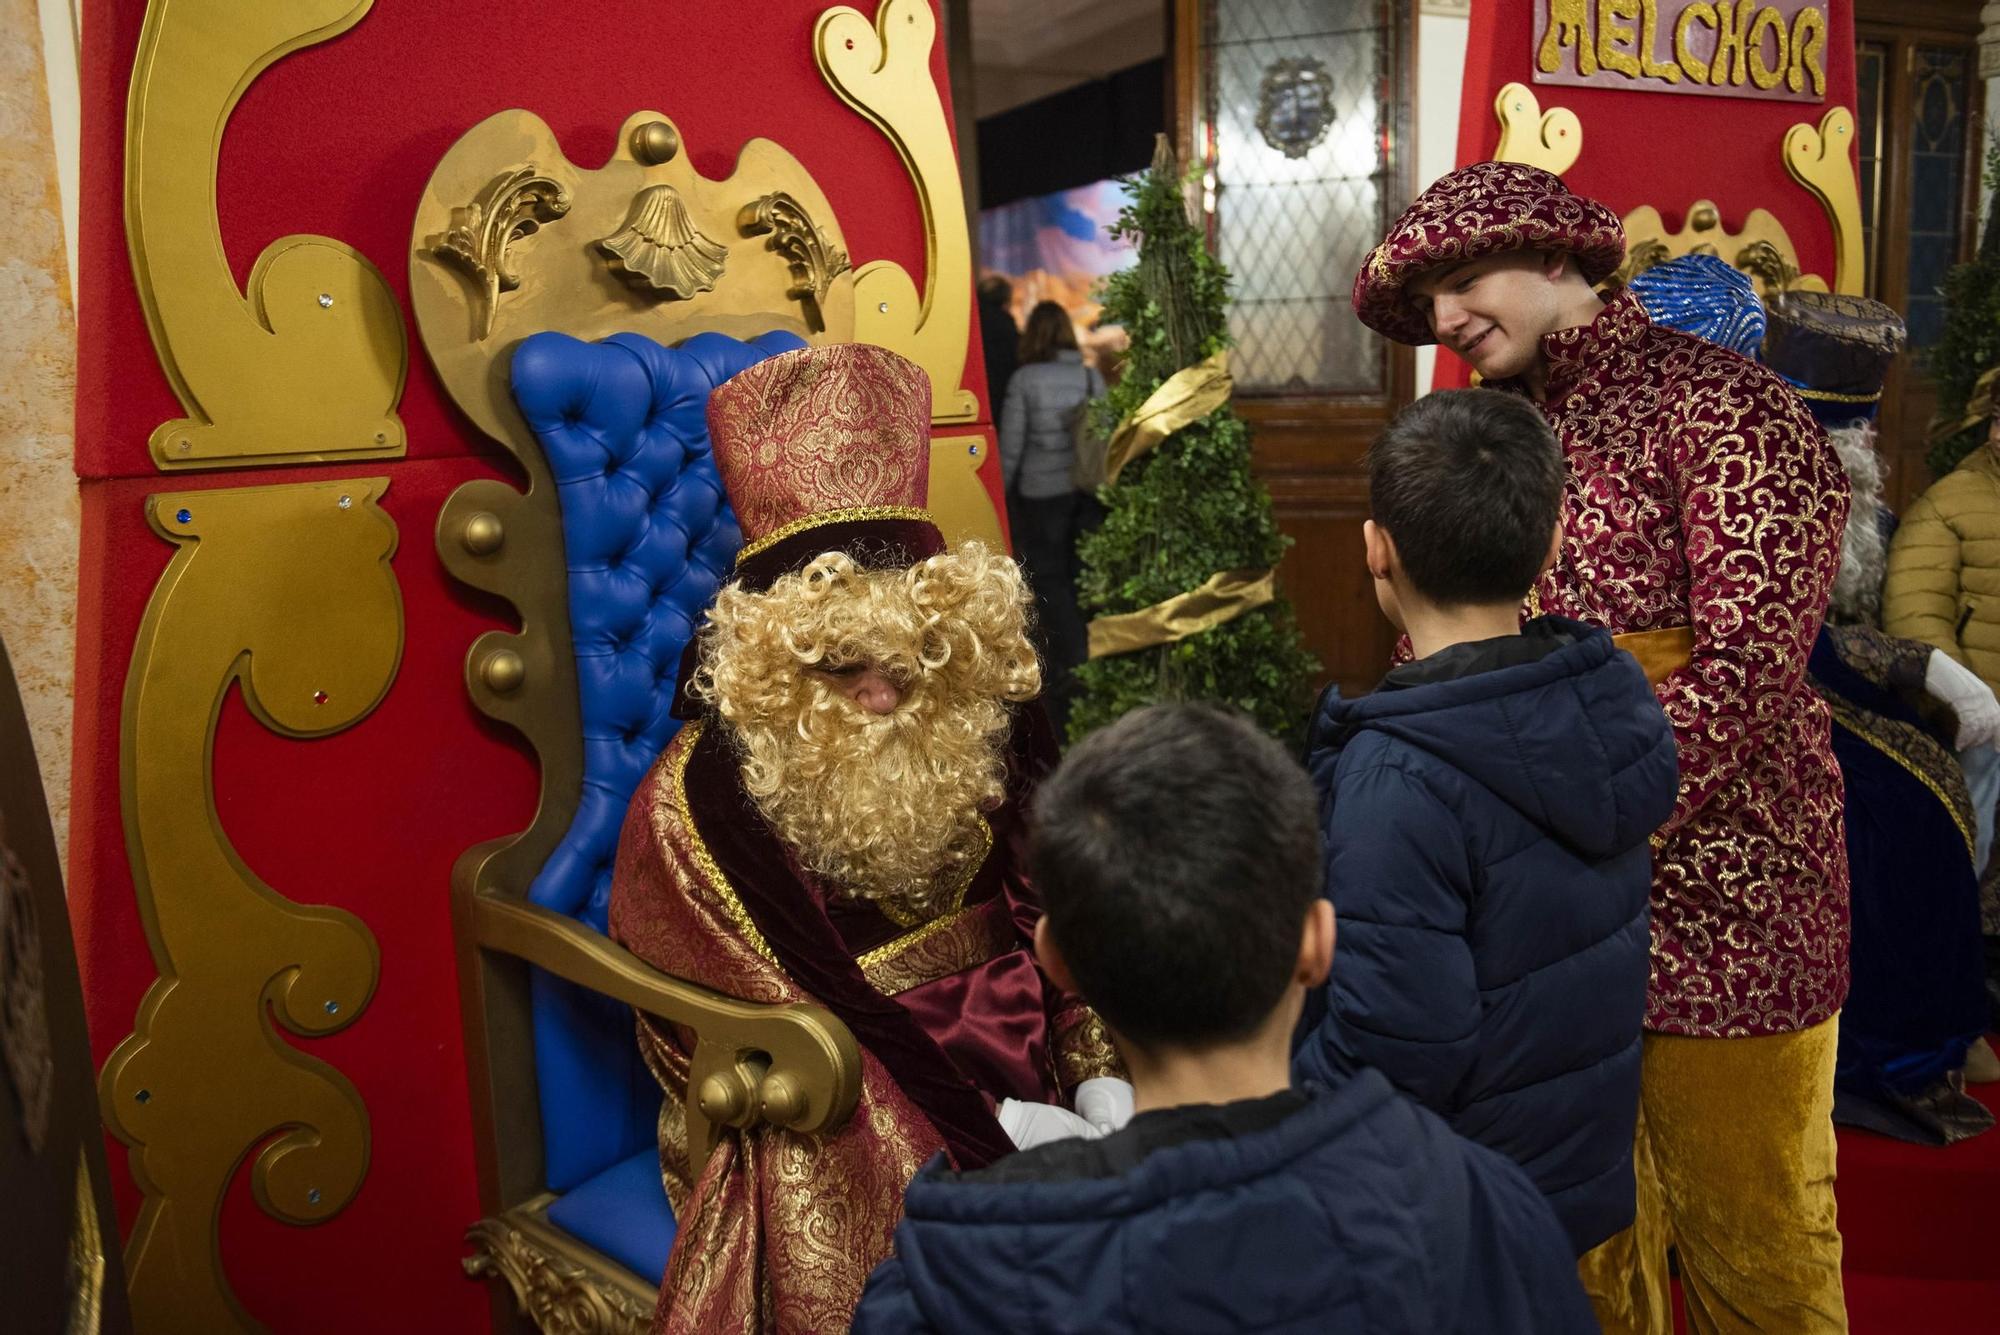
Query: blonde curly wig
(885, 807)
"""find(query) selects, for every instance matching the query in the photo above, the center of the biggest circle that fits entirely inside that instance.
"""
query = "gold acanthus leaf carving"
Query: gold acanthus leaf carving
(514, 204)
(559, 1296)
(815, 261)
(661, 249)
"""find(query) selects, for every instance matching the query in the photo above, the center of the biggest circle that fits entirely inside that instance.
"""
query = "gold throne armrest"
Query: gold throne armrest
(794, 1066)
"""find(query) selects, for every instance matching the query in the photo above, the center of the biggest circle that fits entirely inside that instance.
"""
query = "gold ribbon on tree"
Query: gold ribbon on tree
(1979, 409)
(1185, 397)
(1222, 599)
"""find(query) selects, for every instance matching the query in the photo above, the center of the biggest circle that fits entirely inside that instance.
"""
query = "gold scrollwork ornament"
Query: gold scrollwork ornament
(815, 261)
(514, 204)
(287, 592)
(308, 364)
(1550, 140)
(558, 1293)
(883, 70)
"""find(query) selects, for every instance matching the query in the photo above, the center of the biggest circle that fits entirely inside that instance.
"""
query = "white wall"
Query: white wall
(62, 42)
(1441, 38)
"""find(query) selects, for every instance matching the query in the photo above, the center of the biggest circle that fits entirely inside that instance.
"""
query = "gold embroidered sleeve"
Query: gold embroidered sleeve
(1083, 1048)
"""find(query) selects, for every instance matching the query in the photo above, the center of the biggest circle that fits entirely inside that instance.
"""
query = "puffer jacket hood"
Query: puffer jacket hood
(1554, 739)
(1359, 1212)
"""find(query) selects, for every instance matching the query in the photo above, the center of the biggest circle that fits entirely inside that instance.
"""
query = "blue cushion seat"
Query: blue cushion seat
(648, 538)
(623, 1213)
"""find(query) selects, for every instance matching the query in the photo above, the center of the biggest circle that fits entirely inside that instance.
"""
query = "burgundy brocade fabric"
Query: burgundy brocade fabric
(1700, 492)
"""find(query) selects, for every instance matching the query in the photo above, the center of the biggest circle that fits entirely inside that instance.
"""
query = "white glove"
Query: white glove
(1969, 697)
(1105, 1102)
(1032, 1124)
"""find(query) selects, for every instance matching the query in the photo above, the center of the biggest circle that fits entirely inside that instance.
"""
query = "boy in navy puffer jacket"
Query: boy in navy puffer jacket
(1487, 812)
(1178, 856)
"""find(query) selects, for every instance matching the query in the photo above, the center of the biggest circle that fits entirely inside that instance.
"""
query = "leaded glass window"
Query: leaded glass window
(1941, 86)
(1298, 128)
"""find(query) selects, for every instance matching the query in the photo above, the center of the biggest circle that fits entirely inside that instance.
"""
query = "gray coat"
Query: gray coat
(1036, 423)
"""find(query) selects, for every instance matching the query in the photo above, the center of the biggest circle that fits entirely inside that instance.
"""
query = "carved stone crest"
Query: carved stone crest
(1295, 105)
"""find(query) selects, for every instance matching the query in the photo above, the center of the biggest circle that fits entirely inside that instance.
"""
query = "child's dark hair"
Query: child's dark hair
(1177, 852)
(1469, 484)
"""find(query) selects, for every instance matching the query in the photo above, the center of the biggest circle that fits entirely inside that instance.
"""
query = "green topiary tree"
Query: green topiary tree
(1190, 509)
(1970, 344)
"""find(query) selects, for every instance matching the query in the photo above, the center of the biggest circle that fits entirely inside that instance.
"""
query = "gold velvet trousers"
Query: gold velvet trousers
(1735, 1166)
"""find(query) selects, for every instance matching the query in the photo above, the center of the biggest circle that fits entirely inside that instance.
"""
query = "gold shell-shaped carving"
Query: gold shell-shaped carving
(660, 248)
(513, 204)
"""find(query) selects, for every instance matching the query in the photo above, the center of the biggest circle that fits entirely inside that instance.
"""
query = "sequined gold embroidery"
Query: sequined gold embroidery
(856, 515)
(949, 944)
(698, 847)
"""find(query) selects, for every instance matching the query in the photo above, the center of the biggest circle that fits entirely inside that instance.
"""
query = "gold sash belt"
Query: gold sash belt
(1660, 652)
(941, 947)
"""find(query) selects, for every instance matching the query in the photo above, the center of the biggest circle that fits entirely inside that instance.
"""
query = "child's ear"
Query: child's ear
(1555, 548)
(1051, 959)
(1316, 944)
(1379, 551)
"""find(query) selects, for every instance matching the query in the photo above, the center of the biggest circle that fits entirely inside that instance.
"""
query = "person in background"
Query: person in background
(999, 337)
(1486, 814)
(1178, 855)
(1943, 588)
(1038, 425)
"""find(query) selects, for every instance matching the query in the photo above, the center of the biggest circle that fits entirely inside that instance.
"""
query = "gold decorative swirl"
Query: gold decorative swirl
(1550, 140)
(1821, 160)
(286, 591)
(883, 71)
(309, 364)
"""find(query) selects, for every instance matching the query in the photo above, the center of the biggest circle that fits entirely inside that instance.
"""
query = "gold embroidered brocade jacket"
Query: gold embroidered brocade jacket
(779, 1230)
(1701, 493)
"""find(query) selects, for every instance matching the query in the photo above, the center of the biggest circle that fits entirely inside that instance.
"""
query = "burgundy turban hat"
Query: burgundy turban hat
(1476, 211)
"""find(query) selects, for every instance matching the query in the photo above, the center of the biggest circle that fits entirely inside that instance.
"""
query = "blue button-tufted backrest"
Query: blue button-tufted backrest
(648, 537)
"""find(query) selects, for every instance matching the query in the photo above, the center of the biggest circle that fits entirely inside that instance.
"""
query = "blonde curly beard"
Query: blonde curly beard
(885, 807)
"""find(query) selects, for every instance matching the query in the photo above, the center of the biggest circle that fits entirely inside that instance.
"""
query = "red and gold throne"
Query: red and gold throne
(347, 802)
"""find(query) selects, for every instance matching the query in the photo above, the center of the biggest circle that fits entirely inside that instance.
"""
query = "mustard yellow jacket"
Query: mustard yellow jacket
(1943, 585)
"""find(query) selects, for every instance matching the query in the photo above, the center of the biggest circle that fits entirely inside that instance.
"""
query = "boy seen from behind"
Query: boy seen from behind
(1179, 862)
(1487, 813)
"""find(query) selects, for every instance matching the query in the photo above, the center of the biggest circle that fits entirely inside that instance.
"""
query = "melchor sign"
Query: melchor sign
(1721, 48)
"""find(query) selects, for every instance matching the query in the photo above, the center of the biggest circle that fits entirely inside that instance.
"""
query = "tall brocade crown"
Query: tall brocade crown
(826, 449)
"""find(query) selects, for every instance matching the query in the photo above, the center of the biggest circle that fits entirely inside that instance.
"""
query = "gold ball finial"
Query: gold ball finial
(503, 671)
(722, 1098)
(783, 1102)
(483, 534)
(655, 142)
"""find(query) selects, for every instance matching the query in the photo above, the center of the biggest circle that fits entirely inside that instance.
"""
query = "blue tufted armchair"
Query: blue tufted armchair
(647, 539)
